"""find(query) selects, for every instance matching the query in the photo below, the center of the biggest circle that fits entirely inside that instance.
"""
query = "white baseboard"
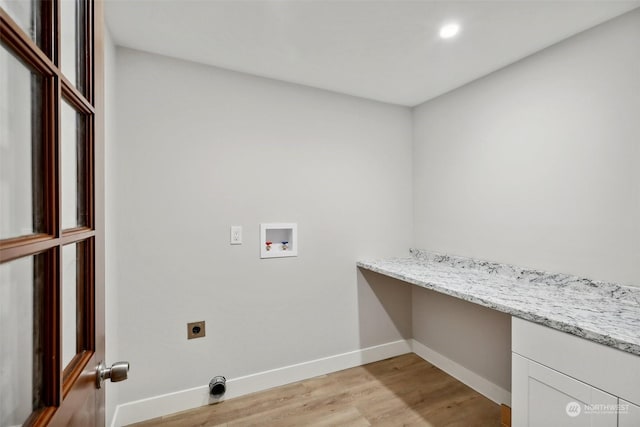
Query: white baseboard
(182, 400)
(462, 374)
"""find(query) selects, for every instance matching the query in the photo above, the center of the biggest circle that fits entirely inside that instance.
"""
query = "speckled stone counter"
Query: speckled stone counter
(602, 312)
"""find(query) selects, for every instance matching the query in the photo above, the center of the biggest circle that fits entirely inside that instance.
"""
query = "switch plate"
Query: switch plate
(236, 235)
(195, 330)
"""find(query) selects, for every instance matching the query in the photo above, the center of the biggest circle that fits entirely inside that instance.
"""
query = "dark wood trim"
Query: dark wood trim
(55, 36)
(76, 235)
(39, 376)
(89, 52)
(84, 389)
(41, 417)
(57, 160)
(85, 150)
(84, 307)
(74, 370)
(21, 44)
(26, 49)
(52, 186)
(48, 28)
(12, 249)
(75, 98)
(52, 325)
(89, 297)
(39, 176)
(89, 164)
(76, 382)
(22, 246)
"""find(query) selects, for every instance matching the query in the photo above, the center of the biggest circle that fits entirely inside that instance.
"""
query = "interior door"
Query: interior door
(51, 212)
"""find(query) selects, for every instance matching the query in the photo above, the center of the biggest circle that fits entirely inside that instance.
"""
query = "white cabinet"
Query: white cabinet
(542, 397)
(629, 415)
(558, 379)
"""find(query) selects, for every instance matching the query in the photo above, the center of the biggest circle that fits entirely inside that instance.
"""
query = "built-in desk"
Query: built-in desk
(552, 373)
(606, 313)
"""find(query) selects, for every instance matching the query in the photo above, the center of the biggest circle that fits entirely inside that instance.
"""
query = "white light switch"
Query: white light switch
(236, 235)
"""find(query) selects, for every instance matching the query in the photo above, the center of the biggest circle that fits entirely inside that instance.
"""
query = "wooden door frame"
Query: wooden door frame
(85, 386)
(65, 397)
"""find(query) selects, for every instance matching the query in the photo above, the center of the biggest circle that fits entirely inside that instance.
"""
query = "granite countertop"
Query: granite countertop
(606, 313)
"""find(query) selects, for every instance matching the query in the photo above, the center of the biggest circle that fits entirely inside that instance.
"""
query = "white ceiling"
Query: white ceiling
(383, 50)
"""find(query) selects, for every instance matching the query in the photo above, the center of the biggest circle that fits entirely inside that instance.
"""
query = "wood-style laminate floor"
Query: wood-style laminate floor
(401, 391)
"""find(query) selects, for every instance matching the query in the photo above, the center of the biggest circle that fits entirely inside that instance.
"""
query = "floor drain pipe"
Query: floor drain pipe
(217, 386)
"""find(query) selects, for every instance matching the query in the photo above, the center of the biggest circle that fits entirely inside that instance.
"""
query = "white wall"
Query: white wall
(537, 164)
(534, 165)
(111, 254)
(475, 337)
(199, 149)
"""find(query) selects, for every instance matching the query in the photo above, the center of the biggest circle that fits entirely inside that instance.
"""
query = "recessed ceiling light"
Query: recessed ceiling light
(449, 30)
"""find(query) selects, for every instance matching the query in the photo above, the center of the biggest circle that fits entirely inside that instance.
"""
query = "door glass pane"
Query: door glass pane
(72, 36)
(69, 305)
(21, 290)
(21, 166)
(73, 125)
(27, 14)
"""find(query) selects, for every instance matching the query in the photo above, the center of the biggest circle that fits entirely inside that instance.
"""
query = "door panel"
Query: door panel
(51, 233)
(629, 415)
(21, 146)
(20, 346)
(68, 125)
(542, 397)
(74, 153)
(72, 42)
(69, 304)
(28, 15)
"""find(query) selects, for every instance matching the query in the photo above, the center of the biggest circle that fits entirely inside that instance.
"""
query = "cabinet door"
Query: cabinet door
(629, 415)
(542, 397)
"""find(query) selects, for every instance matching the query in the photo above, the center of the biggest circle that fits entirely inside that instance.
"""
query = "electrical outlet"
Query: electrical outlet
(195, 330)
(236, 235)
